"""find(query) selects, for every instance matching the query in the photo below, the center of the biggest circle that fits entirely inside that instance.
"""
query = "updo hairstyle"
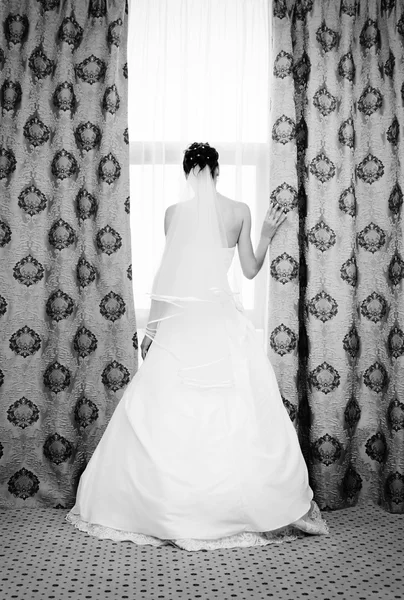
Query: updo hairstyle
(201, 155)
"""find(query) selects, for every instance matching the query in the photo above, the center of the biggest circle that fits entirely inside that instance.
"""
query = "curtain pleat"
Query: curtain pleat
(336, 297)
(67, 322)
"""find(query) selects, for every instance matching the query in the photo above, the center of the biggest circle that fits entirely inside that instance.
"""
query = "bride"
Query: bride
(200, 451)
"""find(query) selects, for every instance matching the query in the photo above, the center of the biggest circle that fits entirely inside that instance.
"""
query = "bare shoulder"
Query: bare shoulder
(168, 216)
(170, 210)
(244, 209)
(233, 213)
(234, 205)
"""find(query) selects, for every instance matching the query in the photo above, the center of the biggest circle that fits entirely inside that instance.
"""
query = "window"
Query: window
(198, 71)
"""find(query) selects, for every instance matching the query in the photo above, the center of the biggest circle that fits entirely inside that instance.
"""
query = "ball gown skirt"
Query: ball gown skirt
(199, 468)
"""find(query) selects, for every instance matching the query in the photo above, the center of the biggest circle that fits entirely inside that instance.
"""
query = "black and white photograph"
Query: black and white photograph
(201, 299)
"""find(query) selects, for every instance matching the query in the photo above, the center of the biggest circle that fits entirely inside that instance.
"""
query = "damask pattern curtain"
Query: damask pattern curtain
(68, 332)
(337, 270)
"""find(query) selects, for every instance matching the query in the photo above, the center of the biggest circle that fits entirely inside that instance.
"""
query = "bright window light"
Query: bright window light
(198, 71)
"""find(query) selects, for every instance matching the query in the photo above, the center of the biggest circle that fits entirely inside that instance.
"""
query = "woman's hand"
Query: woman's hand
(273, 219)
(146, 343)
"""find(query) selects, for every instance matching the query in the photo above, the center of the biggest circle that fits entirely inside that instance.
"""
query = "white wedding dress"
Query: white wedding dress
(199, 468)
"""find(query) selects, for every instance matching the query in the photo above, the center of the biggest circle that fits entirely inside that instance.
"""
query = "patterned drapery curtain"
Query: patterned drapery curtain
(68, 331)
(337, 270)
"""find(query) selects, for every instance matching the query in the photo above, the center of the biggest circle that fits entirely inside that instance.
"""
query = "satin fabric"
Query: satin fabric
(177, 461)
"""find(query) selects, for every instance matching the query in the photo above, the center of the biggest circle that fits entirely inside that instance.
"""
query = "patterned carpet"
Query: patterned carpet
(43, 557)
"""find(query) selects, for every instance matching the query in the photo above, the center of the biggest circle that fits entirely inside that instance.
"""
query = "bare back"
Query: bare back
(231, 212)
(237, 222)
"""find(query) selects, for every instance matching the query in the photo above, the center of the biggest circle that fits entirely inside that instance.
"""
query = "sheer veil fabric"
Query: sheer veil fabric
(191, 286)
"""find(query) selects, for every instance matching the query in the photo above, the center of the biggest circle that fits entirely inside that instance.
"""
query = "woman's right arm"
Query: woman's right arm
(251, 262)
(152, 324)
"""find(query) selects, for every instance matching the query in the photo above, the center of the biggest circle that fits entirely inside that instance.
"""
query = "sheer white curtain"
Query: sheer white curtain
(198, 72)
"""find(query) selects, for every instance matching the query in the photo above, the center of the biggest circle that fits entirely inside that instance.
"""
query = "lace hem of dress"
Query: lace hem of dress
(311, 523)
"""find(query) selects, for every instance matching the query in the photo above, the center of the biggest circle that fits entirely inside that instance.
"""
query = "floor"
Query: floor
(43, 557)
